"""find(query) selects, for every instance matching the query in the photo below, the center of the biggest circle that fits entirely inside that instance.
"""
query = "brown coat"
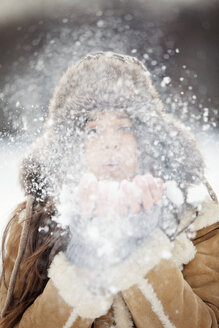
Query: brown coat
(165, 297)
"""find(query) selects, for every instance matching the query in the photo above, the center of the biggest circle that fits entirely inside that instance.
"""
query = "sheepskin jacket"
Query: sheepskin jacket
(181, 291)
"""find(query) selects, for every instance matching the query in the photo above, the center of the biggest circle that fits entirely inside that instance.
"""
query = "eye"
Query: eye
(91, 131)
(125, 128)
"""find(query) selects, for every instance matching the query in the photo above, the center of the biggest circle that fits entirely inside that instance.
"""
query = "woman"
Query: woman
(73, 255)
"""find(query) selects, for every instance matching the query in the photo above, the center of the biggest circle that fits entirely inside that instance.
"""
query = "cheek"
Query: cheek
(89, 146)
(130, 146)
(130, 152)
(90, 151)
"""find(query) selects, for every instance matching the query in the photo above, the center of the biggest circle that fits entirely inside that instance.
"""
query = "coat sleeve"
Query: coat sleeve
(49, 310)
(170, 298)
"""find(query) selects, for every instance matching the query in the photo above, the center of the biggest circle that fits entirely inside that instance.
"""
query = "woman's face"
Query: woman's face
(110, 147)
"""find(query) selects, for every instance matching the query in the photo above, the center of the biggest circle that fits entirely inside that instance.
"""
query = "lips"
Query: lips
(111, 166)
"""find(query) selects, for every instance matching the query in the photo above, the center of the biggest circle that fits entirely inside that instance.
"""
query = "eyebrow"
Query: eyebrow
(92, 119)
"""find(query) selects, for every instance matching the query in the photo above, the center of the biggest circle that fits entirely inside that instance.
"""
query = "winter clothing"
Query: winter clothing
(147, 287)
(165, 297)
(23, 242)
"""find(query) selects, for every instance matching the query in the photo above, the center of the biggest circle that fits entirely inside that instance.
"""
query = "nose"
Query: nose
(110, 142)
(111, 146)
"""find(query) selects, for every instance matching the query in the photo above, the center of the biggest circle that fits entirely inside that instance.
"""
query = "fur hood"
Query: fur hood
(106, 80)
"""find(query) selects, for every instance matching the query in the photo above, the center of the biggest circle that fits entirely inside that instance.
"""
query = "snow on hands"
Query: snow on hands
(108, 198)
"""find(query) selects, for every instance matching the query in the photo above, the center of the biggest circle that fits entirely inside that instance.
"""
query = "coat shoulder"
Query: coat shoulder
(207, 218)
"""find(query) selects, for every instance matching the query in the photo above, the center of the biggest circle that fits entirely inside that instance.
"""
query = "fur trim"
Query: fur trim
(184, 250)
(122, 315)
(208, 215)
(73, 290)
(134, 268)
(122, 276)
(73, 316)
(149, 293)
(203, 213)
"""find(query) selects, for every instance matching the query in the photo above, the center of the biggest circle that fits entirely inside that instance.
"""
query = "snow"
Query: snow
(104, 234)
(196, 194)
(166, 80)
(110, 241)
(11, 194)
(173, 193)
(102, 241)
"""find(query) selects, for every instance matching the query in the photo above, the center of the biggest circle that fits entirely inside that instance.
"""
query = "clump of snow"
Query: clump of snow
(173, 193)
(68, 203)
(166, 80)
(103, 241)
(44, 229)
(111, 188)
(196, 194)
(132, 187)
(65, 207)
(191, 235)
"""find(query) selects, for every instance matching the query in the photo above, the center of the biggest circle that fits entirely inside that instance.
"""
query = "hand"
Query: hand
(151, 190)
(143, 192)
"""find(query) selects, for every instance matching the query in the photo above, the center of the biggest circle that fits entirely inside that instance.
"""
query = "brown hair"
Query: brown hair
(45, 240)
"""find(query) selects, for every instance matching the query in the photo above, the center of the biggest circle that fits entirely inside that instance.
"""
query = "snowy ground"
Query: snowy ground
(11, 194)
